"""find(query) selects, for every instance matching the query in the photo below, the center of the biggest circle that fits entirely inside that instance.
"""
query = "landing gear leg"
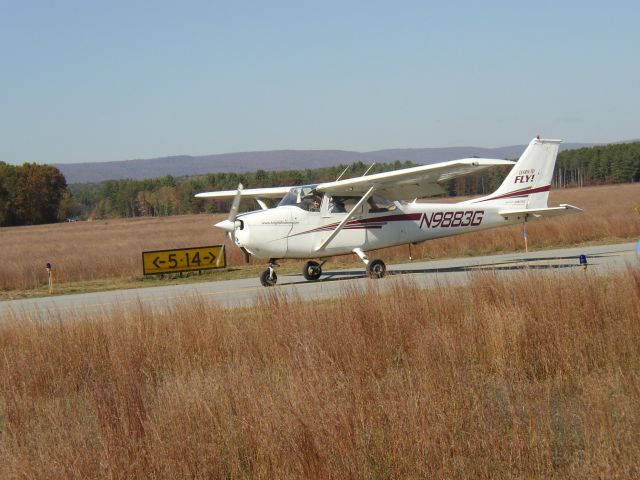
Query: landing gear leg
(375, 268)
(268, 278)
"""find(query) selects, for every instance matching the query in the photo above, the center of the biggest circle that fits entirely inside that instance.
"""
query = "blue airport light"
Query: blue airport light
(583, 261)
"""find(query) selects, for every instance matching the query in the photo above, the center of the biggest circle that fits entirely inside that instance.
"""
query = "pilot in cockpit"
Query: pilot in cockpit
(337, 206)
(315, 204)
(311, 202)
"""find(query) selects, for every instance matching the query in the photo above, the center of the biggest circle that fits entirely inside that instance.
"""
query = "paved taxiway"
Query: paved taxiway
(601, 258)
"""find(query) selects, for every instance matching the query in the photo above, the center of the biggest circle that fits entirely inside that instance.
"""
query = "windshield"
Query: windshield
(304, 197)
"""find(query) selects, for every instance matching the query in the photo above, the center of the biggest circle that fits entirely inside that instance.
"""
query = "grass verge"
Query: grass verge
(532, 377)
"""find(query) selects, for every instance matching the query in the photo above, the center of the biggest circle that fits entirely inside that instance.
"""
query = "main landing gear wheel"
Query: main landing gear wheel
(376, 268)
(268, 278)
(312, 271)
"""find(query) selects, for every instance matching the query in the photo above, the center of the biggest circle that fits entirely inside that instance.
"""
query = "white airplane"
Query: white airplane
(378, 211)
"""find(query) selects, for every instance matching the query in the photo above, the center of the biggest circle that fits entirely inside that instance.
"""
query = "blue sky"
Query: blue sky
(97, 81)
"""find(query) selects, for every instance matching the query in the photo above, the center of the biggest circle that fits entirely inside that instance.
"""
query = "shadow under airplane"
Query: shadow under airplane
(507, 265)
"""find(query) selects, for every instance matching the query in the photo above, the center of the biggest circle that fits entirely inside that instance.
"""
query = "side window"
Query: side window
(379, 204)
(342, 204)
(336, 205)
(311, 202)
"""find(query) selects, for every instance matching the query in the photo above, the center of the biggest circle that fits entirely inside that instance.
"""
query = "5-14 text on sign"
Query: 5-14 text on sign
(183, 260)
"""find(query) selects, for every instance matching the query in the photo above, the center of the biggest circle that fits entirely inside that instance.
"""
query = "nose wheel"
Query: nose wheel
(268, 278)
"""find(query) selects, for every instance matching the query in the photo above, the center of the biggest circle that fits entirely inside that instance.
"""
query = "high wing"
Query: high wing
(405, 184)
(274, 192)
(410, 183)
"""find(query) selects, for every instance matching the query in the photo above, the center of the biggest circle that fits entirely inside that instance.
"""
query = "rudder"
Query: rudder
(527, 184)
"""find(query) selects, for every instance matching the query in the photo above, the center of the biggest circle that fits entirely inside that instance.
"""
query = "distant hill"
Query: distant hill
(274, 160)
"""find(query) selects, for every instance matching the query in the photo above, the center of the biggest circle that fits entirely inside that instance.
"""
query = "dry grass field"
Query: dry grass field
(111, 249)
(535, 377)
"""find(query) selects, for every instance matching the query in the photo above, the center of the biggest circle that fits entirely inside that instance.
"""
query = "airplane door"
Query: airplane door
(354, 232)
(301, 241)
(283, 225)
(269, 233)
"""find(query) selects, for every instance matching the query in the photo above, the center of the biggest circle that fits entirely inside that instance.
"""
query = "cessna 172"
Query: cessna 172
(377, 211)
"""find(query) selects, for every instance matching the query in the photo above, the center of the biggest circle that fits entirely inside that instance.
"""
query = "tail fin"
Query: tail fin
(527, 185)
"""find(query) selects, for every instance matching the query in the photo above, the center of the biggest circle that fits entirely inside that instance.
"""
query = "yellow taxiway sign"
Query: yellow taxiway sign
(183, 260)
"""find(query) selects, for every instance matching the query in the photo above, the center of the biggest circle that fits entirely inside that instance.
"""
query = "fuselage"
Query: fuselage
(291, 232)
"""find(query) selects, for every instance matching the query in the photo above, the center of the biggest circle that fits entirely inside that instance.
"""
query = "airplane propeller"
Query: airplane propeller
(229, 225)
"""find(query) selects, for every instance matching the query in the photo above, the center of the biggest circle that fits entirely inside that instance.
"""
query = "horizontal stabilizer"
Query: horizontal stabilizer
(532, 213)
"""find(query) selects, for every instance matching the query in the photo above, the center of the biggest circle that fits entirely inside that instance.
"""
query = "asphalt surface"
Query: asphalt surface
(231, 293)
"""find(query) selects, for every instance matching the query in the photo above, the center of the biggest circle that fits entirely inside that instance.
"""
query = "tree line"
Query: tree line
(619, 163)
(605, 164)
(170, 195)
(31, 194)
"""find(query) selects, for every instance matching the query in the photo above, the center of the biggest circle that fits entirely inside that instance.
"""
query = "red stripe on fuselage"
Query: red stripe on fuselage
(517, 193)
(404, 217)
(364, 222)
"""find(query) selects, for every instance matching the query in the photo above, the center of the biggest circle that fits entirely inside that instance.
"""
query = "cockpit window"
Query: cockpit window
(304, 197)
(380, 204)
(344, 204)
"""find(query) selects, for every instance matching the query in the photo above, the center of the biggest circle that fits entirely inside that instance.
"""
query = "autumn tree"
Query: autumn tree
(30, 194)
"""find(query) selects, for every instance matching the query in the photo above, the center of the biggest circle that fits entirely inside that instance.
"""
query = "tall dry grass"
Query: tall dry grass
(534, 377)
(112, 248)
(98, 249)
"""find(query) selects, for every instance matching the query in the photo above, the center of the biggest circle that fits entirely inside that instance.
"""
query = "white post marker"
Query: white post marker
(50, 275)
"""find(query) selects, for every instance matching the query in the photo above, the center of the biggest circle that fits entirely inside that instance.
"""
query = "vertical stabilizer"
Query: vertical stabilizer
(528, 182)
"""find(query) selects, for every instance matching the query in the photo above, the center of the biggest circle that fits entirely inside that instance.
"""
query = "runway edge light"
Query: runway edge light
(583, 261)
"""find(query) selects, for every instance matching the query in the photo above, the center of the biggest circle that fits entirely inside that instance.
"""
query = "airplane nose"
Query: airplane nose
(241, 237)
(226, 225)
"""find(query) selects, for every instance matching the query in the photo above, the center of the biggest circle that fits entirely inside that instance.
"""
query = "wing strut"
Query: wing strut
(347, 218)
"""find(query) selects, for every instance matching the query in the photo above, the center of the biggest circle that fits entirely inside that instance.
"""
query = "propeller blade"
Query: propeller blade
(229, 225)
(247, 255)
(236, 203)
(223, 251)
